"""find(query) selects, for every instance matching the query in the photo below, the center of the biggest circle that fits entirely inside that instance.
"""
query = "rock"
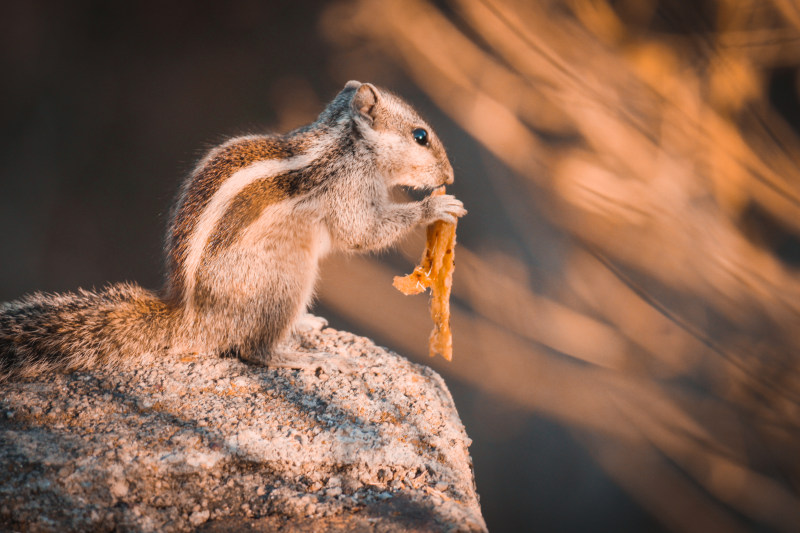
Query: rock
(211, 444)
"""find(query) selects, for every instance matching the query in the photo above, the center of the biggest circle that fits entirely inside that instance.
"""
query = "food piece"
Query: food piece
(435, 270)
(420, 279)
(441, 340)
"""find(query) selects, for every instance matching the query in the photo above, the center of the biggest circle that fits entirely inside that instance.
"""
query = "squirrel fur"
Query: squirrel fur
(247, 231)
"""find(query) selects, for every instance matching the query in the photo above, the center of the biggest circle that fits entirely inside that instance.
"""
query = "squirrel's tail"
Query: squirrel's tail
(43, 332)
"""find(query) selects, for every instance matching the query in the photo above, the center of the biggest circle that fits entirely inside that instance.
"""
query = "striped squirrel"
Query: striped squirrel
(247, 231)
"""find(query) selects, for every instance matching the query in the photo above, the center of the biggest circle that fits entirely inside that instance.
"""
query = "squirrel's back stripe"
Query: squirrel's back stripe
(242, 210)
(220, 204)
(208, 177)
(251, 201)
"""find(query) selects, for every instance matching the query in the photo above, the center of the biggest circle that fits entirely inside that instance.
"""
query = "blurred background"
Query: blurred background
(627, 291)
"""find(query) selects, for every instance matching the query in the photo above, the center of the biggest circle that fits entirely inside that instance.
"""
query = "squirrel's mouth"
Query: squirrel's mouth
(420, 188)
(427, 189)
(417, 192)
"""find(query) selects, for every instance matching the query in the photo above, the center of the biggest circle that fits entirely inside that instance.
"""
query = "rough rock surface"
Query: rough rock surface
(210, 444)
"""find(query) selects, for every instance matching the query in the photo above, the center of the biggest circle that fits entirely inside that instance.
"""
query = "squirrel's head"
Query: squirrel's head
(409, 152)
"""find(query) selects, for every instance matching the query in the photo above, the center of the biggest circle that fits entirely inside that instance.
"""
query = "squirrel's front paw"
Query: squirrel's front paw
(444, 207)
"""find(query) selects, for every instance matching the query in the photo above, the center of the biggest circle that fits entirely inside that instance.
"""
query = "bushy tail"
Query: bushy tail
(43, 332)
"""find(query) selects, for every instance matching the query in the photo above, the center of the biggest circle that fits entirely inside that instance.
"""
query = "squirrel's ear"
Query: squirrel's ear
(365, 102)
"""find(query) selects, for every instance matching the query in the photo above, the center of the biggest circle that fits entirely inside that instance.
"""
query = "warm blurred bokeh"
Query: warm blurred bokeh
(627, 291)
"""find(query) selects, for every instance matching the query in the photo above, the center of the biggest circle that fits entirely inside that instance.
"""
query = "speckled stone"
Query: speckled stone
(190, 442)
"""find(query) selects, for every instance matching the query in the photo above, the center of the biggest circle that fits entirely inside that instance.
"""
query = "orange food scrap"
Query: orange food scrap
(435, 270)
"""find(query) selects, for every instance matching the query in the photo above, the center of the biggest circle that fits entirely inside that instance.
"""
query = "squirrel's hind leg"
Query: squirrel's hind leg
(289, 358)
(285, 354)
(309, 322)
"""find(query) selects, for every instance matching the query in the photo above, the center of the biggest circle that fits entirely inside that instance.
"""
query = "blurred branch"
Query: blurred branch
(790, 10)
(647, 131)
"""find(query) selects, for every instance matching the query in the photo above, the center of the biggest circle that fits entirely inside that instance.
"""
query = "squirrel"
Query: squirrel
(247, 232)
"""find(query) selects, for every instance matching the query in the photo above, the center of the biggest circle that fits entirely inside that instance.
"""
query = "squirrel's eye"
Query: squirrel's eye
(421, 136)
